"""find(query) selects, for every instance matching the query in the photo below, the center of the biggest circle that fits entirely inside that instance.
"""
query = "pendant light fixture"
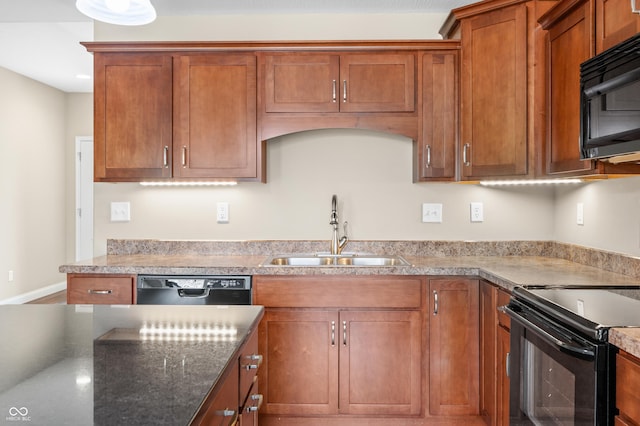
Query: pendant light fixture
(118, 12)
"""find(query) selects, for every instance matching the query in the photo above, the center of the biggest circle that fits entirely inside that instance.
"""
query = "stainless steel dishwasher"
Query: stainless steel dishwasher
(193, 290)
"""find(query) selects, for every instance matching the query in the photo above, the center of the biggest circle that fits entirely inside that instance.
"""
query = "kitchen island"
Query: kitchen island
(117, 364)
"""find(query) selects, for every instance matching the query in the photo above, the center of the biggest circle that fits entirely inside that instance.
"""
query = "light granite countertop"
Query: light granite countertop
(505, 263)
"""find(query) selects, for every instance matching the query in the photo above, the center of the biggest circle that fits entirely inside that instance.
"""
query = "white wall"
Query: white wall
(32, 184)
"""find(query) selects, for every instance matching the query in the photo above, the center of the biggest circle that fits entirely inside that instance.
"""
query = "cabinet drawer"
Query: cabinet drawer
(250, 362)
(100, 289)
(503, 299)
(338, 291)
(627, 381)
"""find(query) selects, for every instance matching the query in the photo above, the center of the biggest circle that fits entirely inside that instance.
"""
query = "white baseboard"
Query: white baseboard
(35, 294)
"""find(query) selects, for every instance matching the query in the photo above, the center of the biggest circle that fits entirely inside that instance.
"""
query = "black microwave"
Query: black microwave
(610, 102)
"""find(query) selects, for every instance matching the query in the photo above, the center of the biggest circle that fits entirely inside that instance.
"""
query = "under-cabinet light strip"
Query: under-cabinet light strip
(188, 183)
(529, 182)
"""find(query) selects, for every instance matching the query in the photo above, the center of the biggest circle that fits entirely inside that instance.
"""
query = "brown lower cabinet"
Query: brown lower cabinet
(101, 289)
(627, 382)
(340, 346)
(453, 346)
(494, 354)
(235, 400)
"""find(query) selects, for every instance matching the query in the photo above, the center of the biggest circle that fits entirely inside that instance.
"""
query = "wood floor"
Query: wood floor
(55, 298)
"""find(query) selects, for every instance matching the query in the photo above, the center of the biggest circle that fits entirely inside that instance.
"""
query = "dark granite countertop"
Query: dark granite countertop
(84, 364)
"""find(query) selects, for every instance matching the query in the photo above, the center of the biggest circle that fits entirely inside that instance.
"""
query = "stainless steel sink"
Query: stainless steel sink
(336, 260)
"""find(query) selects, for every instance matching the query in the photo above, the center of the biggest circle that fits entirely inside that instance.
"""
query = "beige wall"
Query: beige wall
(32, 184)
(611, 215)
(371, 174)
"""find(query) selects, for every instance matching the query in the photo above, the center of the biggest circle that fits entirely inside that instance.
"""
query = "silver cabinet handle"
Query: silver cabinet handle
(344, 333)
(92, 291)
(428, 155)
(435, 302)
(165, 156)
(333, 333)
(255, 397)
(184, 156)
(634, 8)
(465, 154)
(334, 93)
(254, 362)
(508, 372)
(344, 90)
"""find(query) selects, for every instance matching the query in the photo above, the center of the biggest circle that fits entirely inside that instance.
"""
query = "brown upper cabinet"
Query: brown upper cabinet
(132, 116)
(573, 31)
(615, 22)
(435, 151)
(161, 113)
(353, 82)
(500, 48)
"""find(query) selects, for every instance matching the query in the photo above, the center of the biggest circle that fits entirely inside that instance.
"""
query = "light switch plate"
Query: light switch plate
(222, 212)
(432, 213)
(121, 211)
(477, 214)
(580, 214)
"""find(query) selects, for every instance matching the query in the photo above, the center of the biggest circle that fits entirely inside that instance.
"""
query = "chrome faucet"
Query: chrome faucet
(337, 244)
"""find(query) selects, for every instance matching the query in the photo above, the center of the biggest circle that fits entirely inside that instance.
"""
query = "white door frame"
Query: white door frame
(84, 197)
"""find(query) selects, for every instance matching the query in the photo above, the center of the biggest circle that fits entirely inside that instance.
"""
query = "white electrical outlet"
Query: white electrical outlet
(222, 212)
(10, 276)
(580, 214)
(477, 215)
(121, 211)
(432, 213)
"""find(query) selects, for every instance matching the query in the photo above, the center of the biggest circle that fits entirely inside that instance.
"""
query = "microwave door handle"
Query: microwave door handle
(612, 84)
(548, 337)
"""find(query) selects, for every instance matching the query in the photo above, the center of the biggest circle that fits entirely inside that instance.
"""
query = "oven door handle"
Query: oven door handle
(548, 337)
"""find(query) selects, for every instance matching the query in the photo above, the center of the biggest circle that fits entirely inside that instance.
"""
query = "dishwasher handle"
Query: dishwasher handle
(194, 293)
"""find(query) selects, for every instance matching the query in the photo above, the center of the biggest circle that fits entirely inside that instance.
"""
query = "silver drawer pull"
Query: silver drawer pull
(435, 302)
(92, 291)
(334, 91)
(256, 406)
(255, 361)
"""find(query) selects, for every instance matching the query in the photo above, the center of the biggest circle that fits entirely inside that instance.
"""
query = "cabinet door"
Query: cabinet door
(488, 352)
(215, 116)
(570, 42)
(380, 362)
(381, 82)
(615, 22)
(300, 370)
(502, 416)
(301, 83)
(494, 94)
(437, 147)
(453, 364)
(132, 116)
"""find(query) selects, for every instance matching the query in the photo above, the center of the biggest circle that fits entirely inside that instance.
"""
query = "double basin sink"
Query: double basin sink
(322, 259)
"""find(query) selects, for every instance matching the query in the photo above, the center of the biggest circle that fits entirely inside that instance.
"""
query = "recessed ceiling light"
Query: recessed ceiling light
(83, 76)
(118, 12)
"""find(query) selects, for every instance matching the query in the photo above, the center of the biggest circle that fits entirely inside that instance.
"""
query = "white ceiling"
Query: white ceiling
(40, 38)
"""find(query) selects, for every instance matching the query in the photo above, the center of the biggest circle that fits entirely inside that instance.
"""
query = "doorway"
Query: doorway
(84, 198)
